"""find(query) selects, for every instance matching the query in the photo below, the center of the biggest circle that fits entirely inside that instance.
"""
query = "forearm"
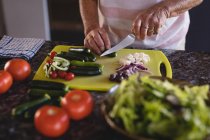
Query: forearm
(89, 14)
(177, 7)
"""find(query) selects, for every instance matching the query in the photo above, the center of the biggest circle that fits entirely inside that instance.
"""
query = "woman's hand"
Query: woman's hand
(97, 40)
(149, 22)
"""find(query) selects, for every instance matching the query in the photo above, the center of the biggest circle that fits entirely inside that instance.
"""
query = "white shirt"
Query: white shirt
(117, 16)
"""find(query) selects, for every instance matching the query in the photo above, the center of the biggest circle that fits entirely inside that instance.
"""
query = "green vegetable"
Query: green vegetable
(52, 93)
(71, 56)
(21, 109)
(85, 54)
(114, 54)
(29, 114)
(80, 49)
(84, 51)
(48, 85)
(86, 64)
(85, 70)
(77, 55)
(162, 110)
(91, 56)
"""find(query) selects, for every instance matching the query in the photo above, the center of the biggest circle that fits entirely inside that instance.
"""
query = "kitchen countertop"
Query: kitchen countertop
(189, 66)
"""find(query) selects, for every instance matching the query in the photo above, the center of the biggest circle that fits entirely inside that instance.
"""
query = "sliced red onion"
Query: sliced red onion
(124, 71)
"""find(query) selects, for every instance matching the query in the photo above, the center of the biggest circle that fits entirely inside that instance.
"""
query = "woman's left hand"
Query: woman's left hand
(149, 21)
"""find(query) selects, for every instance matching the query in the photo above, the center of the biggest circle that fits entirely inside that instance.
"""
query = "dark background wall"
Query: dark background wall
(198, 37)
(65, 21)
(2, 27)
(66, 24)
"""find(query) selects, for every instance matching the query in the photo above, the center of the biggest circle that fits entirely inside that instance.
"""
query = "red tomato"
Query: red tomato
(18, 68)
(69, 76)
(62, 74)
(51, 121)
(5, 81)
(53, 75)
(78, 104)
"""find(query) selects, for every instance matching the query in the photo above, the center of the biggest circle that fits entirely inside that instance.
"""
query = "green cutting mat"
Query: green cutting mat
(101, 82)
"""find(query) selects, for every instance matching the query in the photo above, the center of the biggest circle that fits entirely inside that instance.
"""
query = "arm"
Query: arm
(96, 38)
(177, 7)
(151, 20)
(89, 14)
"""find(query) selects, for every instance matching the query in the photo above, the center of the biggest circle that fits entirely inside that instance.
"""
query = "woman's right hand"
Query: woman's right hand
(97, 40)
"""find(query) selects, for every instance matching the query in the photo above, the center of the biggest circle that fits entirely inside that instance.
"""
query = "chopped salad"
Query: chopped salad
(161, 110)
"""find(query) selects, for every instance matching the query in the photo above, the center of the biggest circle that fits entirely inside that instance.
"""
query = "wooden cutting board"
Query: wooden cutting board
(101, 82)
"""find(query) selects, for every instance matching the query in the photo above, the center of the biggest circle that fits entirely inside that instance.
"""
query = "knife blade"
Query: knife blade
(124, 43)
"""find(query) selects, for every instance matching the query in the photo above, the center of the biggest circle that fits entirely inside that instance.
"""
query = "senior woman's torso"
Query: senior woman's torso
(117, 17)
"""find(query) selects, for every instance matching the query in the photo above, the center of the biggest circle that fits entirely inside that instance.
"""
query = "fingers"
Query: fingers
(157, 28)
(105, 38)
(156, 24)
(143, 30)
(97, 40)
(94, 47)
(141, 26)
(151, 29)
(148, 23)
(136, 27)
(89, 44)
(144, 26)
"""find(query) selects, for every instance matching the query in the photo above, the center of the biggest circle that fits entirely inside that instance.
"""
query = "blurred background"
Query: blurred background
(59, 20)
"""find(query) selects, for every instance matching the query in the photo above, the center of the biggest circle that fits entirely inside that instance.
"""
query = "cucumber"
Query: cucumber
(91, 56)
(84, 55)
(114, 54)
(85, 71)
(80, 50)
(78, 54)
(29, 114)
(48, 85)
(84, 64)
(21, 109)
(84, 51)
(87, 50)
(69, 56)
(34, 92)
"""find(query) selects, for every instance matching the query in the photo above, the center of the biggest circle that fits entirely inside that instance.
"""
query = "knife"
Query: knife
(124, 43)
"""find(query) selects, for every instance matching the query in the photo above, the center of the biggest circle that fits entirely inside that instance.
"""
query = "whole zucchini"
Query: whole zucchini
(29, 114)
(52, 93)
(84, 51)
(86, 64)
(80, 50)
(85, 70)
(69, 56)
(48, 85)
(114, 54)
(21, 109)
(84, 55)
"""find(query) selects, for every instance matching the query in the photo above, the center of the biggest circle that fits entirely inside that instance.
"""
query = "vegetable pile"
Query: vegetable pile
(131, 64)
(77, 61)
(52, 108)
(162, 110)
